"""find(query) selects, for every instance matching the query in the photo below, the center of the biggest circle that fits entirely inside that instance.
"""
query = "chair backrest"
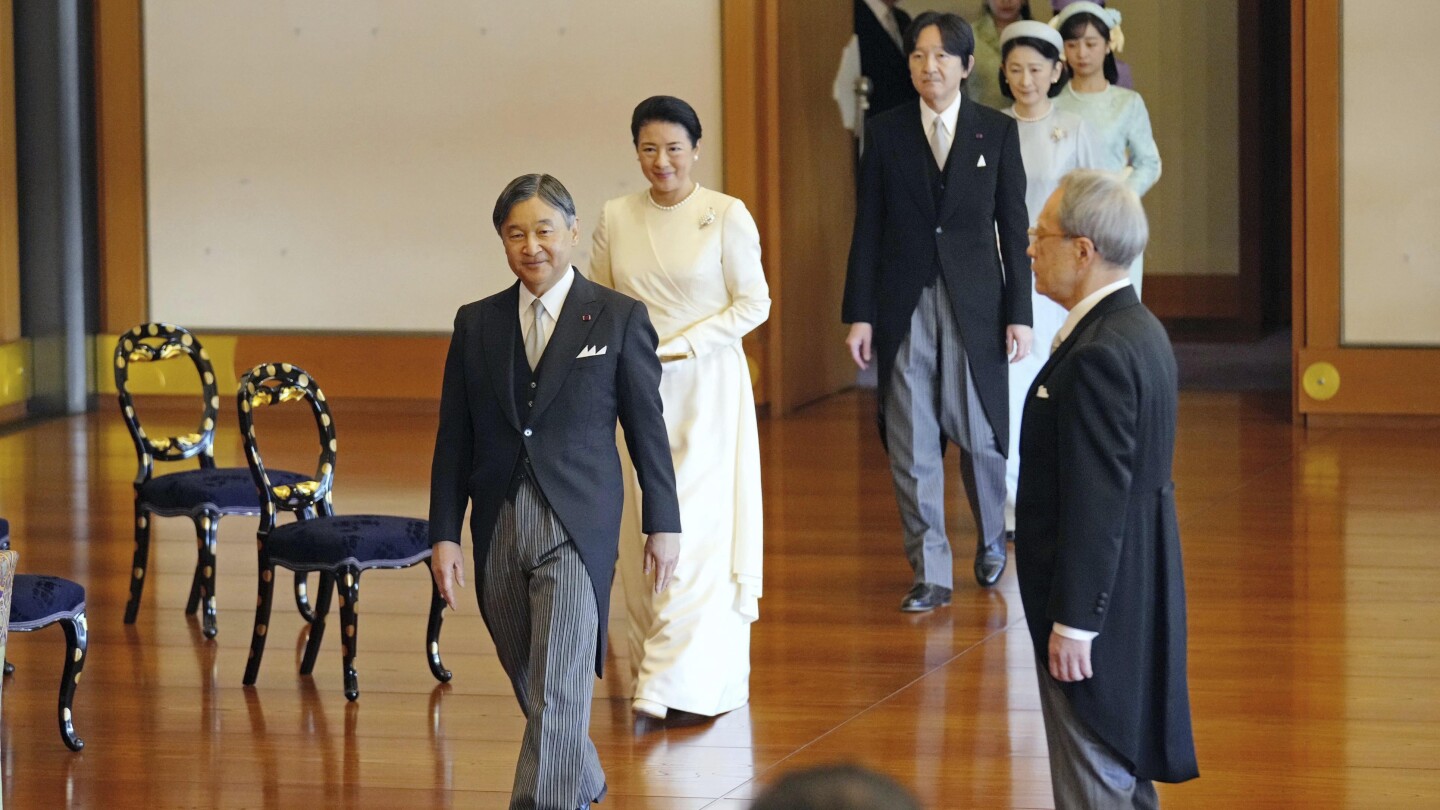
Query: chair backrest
(152, 342)
(267, 385)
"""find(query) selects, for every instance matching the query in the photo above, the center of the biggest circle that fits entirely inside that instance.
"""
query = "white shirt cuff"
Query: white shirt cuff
(1073, 632)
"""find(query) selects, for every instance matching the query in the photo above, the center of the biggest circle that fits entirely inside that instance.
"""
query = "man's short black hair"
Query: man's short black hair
(956, 37)
(529, 186)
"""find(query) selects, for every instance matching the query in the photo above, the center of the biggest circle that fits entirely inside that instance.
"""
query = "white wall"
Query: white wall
(1390, 178)
(332, 164)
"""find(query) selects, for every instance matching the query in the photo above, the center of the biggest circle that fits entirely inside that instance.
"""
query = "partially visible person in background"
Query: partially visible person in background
(1119, 123)
(835, 787)
(1052, 142)
(880, 30)
(1123, 77)
(984, 84)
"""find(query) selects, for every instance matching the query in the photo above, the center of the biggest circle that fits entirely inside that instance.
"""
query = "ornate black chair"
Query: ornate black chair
(339, 547)
(37, 602)
(204, 495)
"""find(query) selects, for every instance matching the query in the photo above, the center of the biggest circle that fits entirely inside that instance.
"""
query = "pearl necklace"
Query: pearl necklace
(1019, 117)
(651, 199)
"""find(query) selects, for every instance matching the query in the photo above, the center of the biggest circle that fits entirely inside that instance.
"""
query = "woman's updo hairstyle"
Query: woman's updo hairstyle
(666, 109)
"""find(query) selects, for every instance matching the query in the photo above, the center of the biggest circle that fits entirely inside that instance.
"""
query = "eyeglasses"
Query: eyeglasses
(1036, 234)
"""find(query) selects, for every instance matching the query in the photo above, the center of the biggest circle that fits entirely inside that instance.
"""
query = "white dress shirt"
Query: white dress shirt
(552, 301)
(1076, 315)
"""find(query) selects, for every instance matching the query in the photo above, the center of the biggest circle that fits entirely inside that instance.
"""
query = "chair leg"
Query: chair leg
(262, 618)
(302, 597)
(207, 528)
(349, 587)
(317, 624)
(142, 557)
(77, 641)
(192, 602)
(432, 632)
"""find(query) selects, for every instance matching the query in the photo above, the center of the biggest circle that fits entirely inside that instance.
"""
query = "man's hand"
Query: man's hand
(662, 552)
(1017, 341)
(858, 341)
(1069, 659)
(447, 564)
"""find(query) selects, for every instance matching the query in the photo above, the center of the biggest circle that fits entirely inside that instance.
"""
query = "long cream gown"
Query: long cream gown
(697, 269)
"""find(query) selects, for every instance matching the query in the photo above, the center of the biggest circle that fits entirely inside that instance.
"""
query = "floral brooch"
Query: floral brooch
(1058, 134)
(708, 218)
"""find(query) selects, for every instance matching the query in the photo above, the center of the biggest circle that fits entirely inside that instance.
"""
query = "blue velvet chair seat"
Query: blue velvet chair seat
(39, 601)
(4, 534)
(361, 541)
(228, 490)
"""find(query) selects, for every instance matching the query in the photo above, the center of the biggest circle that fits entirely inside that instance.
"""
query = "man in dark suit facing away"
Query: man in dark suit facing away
(1097, 545)
(938, 294)
(535, 380)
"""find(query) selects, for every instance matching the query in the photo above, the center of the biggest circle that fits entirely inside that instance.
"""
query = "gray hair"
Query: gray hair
(529, 186)
(1102, 207)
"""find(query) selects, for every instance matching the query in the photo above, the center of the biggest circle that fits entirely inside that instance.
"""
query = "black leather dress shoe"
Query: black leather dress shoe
(989, 565)
(925, 597)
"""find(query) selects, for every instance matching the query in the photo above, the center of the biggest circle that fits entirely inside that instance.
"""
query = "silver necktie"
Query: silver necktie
(940, 143)
(535, 338)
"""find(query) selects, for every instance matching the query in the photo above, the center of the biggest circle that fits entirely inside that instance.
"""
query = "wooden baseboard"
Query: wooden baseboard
(13, 412)
(1193, 297)
(1373, 382)
(1374, 421)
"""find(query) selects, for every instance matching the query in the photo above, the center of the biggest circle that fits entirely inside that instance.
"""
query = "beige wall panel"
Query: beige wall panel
(332, 164)
(1184, 59)
(1390, 181)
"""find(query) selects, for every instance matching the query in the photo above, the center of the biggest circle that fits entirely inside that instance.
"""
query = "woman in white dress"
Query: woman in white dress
(1119, 123)
(692, 255)
(1052, 142)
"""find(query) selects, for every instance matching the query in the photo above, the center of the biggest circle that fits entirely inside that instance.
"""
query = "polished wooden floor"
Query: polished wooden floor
(1311, 558)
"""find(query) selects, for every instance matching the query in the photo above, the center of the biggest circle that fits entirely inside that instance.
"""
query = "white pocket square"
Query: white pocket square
(980, 164)
(591, 351)
(1041, 393)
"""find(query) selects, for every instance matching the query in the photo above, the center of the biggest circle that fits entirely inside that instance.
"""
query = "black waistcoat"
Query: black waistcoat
(526, 381)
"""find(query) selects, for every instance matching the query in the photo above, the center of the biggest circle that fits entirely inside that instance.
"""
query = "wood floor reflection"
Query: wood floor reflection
(1311, 560)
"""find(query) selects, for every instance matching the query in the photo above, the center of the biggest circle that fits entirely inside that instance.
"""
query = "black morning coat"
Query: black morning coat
(1097, 546)
(912, 223)
(569, 433)
(882, 61)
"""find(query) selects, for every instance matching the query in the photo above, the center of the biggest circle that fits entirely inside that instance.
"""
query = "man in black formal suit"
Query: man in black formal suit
(535, 380)
(880, 31)
(1097, 545)
(938, 294)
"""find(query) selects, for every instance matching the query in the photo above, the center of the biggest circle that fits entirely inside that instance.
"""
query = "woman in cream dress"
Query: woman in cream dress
(1052, 142)
(692, 256)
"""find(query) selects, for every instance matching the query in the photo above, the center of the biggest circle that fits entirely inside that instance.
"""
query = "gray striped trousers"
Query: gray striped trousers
(540, 607)
(931, 399)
